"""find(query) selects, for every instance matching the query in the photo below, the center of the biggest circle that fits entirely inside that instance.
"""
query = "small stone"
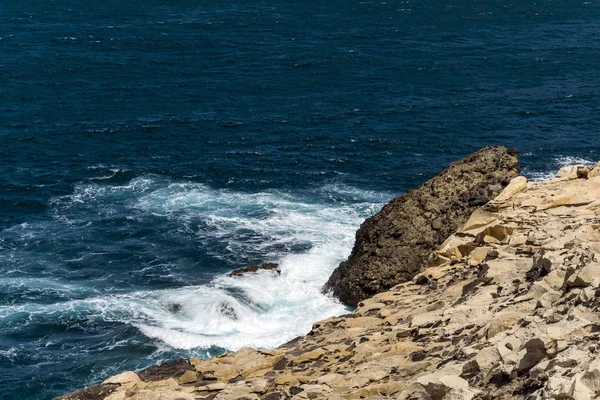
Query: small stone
(287, 379)
(332, 380)
(490, 240)
(548, 299)
(422, 280)
(585, 276)
(418, 355)
(478, 255)
(437, 387)
(583, 171)
(518, 240)
(535, 352)
(260, 386)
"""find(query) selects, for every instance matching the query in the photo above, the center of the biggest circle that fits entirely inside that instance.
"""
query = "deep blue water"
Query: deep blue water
(149, 147)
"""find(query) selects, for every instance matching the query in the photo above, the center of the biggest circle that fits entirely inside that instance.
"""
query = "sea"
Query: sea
(149, 147)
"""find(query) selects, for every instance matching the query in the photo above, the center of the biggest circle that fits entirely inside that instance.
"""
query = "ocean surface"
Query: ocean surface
(149, 147)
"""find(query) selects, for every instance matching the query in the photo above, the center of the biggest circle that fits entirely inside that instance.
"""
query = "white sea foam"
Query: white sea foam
(265, 222)
(263, 309)
(558, 163)
(308, 235)
(9, 354)
(569, 160)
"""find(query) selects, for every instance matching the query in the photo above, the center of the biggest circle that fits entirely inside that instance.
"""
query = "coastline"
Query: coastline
(506, 310)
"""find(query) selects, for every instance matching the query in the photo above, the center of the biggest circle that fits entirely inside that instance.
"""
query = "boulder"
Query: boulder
(188, 377)
(483, 362)
(585, 276)
(594, 172)
(392, 246)
(568, 172)
(256, 268)
(516, 185)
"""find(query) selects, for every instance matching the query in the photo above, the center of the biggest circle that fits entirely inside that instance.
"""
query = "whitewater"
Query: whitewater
(156, 287)
(148, 148)
(306, 235)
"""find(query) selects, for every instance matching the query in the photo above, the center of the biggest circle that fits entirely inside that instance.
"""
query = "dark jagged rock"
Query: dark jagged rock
(256, 268)
(227, 310)
(173, 369)
(392, 246)
(174, 307)
(93, 392)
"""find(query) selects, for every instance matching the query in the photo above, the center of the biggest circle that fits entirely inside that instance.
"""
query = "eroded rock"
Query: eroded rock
(394, 244)
(255, 268)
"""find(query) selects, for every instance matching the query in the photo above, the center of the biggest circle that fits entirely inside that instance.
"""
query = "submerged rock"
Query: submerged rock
(256, 268)
(174, 307)
(392, 246)
(227, 311)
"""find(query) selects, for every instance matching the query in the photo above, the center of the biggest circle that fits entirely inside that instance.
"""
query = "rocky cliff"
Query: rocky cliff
(393, 245)
(508, 311)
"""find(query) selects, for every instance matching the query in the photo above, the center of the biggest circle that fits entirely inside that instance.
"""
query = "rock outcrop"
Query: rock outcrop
(255, 268)
(392, 246)
(509, 310)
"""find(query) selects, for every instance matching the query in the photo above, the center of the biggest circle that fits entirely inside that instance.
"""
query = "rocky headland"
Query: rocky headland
(393, 245)
(506, 307)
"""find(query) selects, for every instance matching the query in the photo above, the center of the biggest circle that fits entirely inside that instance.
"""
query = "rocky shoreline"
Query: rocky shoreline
(507, 308)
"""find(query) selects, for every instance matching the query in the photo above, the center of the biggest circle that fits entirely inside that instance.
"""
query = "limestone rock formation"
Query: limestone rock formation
(392, 246)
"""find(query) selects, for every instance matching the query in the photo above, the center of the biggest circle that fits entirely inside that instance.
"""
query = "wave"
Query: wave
(152, 254)
(308, 233)
(549, 170)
